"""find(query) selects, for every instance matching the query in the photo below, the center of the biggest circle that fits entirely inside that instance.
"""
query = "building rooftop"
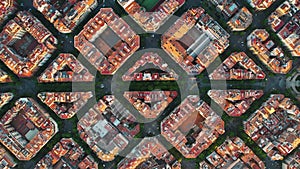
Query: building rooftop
(67, 154)
(290, 34)
(5, 98)
(151, 21)
(149, 153)
(195, 40)
(26, 128)
(65, 104)
(272, 56)
(66, 68)
(261, 4)
(150, 67)
(67, 15)
(292, 161)
(150, 103)
(238, 66)
(285, 22)
(296, 3)
(4, 77)
(228, 7)
(192, 127)
(274, 20)
(241, 21)
(275, 127)
(235, 102)
(6, 160)
(233, 153)
(107, 53)
(25, 44)
(7, 7)
(107, 128)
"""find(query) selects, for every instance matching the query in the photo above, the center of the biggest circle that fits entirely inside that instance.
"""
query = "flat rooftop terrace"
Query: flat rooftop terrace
(110, 37)
(107, 40)
(25, 45)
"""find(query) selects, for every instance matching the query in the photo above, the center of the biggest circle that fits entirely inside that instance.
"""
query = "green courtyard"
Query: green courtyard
(148, 4)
